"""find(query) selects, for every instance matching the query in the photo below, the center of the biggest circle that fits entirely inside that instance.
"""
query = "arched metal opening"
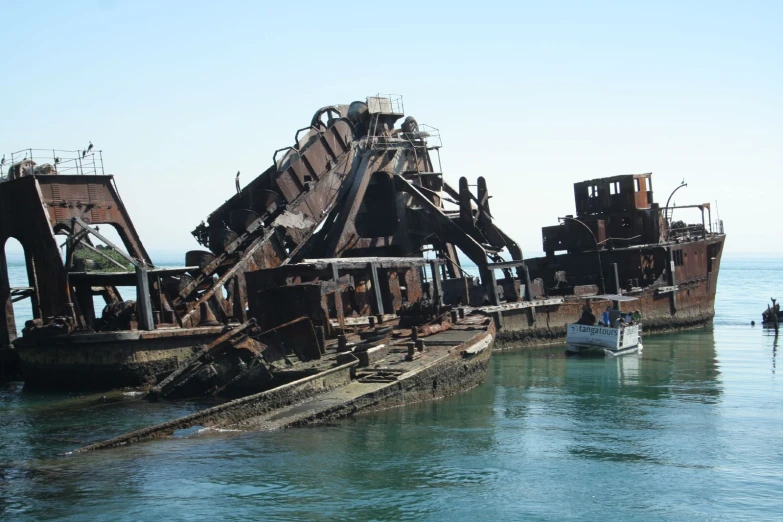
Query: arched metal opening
(17, 278)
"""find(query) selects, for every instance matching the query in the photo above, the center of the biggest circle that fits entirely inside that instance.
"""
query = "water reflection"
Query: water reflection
(613, 409)
(681, 365)
(771, 333)
(685, 365)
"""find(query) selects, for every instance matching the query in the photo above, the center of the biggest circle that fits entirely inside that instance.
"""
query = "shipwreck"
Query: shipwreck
(282, 369)
(350, 236)
(355, 184)
(624, 250)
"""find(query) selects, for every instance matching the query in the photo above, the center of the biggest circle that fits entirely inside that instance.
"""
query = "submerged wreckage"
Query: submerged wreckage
(353, 185)
(290, 372)
(346, 252)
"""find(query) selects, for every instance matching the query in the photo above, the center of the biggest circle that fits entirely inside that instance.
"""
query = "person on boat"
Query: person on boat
(619, 322)
(587, 318)
(605, 317)
(636, 316)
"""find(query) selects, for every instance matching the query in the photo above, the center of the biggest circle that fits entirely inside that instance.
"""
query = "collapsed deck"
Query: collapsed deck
(452, 359)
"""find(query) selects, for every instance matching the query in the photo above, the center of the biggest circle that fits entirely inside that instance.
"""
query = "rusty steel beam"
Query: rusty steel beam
(86, 227)
(225, 277)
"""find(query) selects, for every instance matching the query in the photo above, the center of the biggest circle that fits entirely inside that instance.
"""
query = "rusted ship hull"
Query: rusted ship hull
(621, 250)
(452, 361)
(654, 307)
(108, 360)
(688, 303)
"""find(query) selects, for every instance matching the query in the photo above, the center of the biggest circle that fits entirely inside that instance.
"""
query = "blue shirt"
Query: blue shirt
(605, 317)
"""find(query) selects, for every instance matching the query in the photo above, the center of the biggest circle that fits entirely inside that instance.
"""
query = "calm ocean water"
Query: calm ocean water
(689, 430)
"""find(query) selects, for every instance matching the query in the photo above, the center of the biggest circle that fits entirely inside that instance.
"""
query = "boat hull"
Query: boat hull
(106, 360)
(696, 310)
(583, 338)
(597, 350)
(665, 307)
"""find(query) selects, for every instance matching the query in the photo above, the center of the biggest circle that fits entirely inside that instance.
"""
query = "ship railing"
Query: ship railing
(705, 228)
(427, 136)
(383, 103)
(688, 231)
(431, 135)
(67, 162)
(378, 106)
(697, 230)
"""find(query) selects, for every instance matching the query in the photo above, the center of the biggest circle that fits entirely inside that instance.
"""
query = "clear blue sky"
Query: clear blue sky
(532, 95)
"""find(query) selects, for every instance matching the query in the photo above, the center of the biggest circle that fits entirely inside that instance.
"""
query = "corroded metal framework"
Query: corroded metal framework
(356, 184)
(37, 208)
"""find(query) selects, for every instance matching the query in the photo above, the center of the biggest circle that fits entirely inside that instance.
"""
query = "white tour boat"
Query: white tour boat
(625, 338)
(583, 338)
